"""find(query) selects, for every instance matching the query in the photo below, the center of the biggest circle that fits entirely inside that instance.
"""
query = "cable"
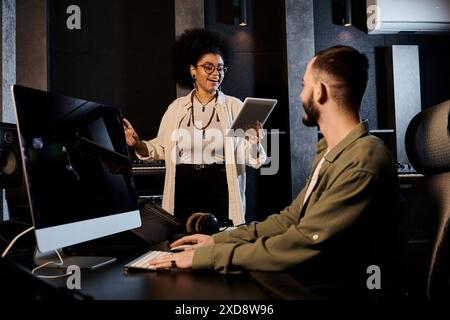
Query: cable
(17, 222)
(14, 241)
(60, 263)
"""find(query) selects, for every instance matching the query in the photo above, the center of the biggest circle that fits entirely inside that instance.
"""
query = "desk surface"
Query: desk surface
(109, 282)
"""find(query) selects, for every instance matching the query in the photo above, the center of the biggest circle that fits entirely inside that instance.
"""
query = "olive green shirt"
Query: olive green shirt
(357, 186)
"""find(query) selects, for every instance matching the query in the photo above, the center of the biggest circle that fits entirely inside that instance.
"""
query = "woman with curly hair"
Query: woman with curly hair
(205, 169)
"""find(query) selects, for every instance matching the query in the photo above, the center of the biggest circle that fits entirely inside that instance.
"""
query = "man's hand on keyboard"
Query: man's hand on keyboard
(195, 241)
(181, 260)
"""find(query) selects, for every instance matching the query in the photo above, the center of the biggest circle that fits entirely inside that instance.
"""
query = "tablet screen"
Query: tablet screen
(253, 109)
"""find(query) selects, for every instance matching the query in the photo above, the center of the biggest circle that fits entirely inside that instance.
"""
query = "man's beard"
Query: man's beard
(311, 116)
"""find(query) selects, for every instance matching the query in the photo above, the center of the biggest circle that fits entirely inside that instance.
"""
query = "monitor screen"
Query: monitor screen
(77, 170)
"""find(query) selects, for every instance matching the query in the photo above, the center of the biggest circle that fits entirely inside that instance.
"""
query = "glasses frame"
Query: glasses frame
(224, 68)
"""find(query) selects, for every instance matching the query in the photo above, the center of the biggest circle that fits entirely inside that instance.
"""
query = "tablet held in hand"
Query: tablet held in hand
(253, 110)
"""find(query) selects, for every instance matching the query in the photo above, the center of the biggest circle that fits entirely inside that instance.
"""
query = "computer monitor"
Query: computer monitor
(77, 170)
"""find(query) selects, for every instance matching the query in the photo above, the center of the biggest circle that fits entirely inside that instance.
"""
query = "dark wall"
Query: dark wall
(147, 80)
(434, 51)
(120, 56)
(258, 70)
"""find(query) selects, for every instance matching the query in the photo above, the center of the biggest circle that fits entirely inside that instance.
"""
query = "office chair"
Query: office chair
(425, 235)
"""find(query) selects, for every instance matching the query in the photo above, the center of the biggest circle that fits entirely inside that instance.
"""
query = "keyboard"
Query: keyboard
(141, 263)
(142, 163)
(148, 168)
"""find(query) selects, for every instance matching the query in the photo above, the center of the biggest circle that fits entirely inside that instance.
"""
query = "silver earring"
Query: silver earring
(194, 84)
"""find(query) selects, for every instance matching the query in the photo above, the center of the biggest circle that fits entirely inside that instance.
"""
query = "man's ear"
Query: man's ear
(320, 92)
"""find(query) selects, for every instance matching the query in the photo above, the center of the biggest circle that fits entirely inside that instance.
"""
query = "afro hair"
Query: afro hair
(191, 46)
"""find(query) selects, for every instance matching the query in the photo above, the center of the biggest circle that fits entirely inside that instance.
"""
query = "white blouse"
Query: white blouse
(197, 146)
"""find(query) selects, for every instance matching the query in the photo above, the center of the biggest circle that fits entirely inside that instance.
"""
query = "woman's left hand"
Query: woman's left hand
(255, 132)
(181, 260)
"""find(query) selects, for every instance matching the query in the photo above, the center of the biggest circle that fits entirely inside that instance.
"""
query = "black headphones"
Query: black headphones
(204, 223)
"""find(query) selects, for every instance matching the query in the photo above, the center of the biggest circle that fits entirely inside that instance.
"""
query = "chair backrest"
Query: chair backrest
(427, 215)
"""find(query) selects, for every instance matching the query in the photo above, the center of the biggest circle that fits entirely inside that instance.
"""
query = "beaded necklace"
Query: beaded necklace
(192, 116)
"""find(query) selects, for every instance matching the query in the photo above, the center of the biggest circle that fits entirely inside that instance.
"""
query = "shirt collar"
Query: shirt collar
(360, 130)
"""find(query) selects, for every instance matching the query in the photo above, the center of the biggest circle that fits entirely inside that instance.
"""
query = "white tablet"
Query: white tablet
(253, 109)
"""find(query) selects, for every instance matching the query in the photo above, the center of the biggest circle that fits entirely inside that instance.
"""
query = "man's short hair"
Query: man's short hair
(348, 70)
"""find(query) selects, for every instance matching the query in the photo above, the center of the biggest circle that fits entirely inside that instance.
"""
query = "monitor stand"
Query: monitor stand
(83, 262)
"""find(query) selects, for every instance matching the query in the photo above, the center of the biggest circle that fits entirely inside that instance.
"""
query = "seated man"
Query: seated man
(349, 203)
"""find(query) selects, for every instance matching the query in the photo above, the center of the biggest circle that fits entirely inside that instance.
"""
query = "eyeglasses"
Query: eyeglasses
(210, 68)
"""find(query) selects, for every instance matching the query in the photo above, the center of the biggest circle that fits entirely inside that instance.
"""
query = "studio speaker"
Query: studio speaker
(10, 158)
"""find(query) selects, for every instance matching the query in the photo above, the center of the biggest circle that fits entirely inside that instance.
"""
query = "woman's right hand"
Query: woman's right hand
(195, 241)
(131, 136)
